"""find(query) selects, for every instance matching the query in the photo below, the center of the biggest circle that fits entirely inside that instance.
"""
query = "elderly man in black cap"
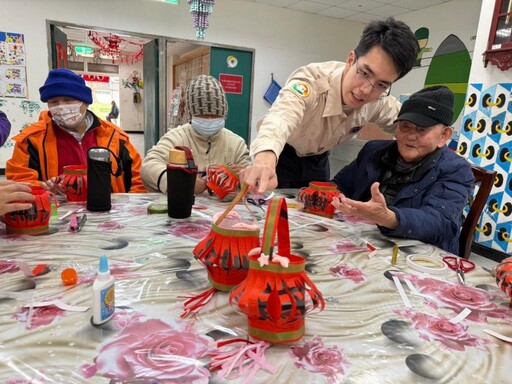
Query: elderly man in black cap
(414, 187)
(64, 134)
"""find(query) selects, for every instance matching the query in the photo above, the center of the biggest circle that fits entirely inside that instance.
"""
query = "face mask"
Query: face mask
(67, 115)
(207, 127)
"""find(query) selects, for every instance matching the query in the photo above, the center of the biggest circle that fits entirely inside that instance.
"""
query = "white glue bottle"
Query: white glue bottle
(103, 294)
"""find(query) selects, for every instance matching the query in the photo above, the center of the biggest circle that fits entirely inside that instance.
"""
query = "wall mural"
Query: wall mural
(486, 140)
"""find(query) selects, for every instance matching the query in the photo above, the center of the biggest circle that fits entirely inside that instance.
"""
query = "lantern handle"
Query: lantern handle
(239, 196)
(276, 223)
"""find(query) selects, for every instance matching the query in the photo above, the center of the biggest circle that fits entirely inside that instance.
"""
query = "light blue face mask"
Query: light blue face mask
(207, 127)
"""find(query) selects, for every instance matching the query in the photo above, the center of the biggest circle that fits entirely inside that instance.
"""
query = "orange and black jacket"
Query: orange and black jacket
(36, 154)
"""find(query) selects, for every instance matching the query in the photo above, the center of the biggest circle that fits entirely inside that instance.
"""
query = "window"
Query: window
(499, 45)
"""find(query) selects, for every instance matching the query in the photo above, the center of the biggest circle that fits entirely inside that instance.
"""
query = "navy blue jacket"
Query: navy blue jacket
(430, 209)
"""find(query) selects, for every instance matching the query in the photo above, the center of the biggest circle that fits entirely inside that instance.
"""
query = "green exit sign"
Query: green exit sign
(172, 1)
(83, 50)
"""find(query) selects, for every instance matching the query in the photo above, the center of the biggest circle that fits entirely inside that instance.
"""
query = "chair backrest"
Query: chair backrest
(486, 180)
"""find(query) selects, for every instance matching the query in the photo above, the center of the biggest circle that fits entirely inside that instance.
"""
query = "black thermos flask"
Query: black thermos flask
(181, 180)
(99, 169)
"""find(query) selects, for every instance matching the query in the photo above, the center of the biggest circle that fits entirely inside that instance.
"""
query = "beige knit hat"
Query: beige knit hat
(205, 96)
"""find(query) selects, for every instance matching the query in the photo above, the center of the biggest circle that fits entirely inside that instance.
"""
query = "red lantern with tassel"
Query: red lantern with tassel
(224, 253)
(74, 182)
(317, 198)
(222, 181)
(32, 221)
(277, 293)
(503, 274)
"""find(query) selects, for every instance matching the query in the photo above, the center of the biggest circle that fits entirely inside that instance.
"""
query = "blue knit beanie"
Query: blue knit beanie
(63, 82)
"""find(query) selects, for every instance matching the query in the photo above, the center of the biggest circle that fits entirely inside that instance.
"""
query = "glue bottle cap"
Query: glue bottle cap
(103, 264)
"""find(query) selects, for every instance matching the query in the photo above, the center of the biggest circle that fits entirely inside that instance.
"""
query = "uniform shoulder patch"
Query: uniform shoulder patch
(301, 88)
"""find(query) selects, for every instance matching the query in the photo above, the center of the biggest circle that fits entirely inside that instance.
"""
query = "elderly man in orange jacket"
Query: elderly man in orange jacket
(65, 132)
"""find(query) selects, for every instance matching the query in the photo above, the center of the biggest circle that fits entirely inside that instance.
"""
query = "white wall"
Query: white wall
(282, 39)
(458, 17)
(492, 74)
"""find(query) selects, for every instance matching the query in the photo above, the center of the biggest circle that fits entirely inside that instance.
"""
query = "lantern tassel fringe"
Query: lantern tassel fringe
(194, 303)
(238, 361)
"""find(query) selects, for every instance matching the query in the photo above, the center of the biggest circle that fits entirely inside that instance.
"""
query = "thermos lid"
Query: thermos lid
(177, 156)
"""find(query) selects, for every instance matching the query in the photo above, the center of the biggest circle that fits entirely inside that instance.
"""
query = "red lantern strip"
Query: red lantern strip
(237, 360)
(194, 303)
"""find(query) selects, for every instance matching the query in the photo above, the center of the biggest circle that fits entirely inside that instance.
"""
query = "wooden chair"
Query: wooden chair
(486, 180)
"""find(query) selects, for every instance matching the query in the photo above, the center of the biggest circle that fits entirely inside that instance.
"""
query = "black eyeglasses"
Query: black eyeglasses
(380, 88)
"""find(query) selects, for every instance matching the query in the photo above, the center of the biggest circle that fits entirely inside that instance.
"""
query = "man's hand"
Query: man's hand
(261, 175)
(375, 210)
(14, 196)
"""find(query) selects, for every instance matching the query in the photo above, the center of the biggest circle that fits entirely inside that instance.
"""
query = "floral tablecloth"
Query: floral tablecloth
(365, 334)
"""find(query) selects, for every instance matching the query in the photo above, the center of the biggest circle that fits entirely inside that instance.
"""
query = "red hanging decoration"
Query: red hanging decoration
(274, 296)
(34, 220)
(111, 46)
(223, 252)
(317, 198)
(222, 181)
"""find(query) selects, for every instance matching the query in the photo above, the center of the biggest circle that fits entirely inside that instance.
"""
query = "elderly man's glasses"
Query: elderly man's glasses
(380, 87)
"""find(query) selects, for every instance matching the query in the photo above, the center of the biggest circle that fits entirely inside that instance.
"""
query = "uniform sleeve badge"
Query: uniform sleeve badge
(301, 88)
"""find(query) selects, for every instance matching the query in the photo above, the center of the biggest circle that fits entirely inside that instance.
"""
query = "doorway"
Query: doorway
(108, 59)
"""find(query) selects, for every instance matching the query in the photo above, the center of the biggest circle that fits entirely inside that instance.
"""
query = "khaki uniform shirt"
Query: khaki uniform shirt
(308, 113)
(225, 147)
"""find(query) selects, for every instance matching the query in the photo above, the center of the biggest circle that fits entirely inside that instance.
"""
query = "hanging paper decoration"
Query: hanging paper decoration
(201, 10)
(317, 198)
(277, 293)
(111, 46)
(223, 252)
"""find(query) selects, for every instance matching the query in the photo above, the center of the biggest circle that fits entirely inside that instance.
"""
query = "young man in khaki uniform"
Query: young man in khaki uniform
(325, 104)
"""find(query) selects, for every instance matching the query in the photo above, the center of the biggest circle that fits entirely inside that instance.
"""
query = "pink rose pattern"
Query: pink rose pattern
(8, 266)
(315, 357)
(111, 225)
(196, 229)
(443, 294)
(152, 349)
(451, 336)
(344, 271)
(347, 246)
(40, 315)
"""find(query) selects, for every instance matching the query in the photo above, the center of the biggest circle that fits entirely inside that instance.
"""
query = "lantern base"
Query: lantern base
(28, 231)
(274, 336)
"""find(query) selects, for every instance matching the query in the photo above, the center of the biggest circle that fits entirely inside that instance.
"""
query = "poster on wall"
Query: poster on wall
(12, 48)
(21, 113)
(13, 80)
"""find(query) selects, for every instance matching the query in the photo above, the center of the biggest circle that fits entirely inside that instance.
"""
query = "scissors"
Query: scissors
(459, 265)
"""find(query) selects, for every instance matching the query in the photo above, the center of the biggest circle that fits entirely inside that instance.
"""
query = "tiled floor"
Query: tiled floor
(137, 140)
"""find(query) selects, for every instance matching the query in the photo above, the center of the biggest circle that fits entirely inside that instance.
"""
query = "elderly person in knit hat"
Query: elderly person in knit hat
(211, 143)
(64, 134)
(414, 187)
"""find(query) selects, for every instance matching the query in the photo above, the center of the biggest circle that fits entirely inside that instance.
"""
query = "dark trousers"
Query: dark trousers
(296, 172)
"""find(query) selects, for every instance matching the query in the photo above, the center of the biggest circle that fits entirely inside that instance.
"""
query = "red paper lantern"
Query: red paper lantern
(222, 181)
(74, 182)
(34, 220)
(317, 198)
(503, 274)
(224, 253)
(277, 293)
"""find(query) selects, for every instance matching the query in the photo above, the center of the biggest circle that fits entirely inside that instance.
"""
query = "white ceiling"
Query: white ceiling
(361, 11)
